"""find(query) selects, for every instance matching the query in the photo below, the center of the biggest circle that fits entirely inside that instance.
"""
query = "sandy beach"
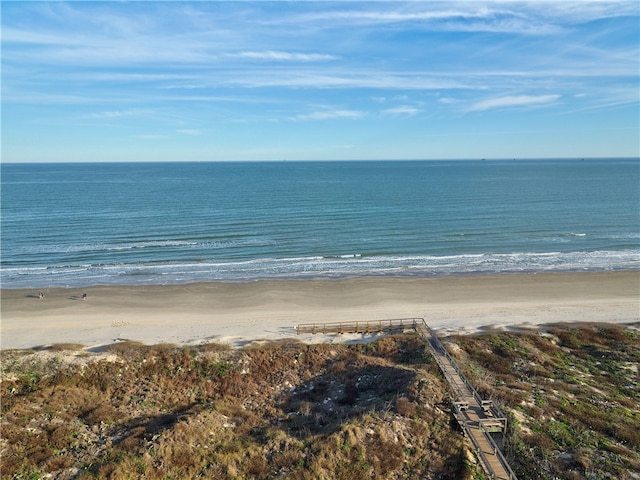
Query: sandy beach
(238, 313)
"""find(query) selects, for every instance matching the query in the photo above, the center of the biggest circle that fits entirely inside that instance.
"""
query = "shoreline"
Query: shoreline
(318, 278)
(237, 313)
(315, 276)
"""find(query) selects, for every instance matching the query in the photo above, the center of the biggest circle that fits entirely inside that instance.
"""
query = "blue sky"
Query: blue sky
(158, 81)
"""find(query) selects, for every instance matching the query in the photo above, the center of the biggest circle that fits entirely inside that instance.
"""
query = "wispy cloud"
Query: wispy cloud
(401, 111)
(190, 131)
(520, 17)
(283, 56)
(513, 101)
(361, 78)
(108, 115)
(469, 17)
(331, 114)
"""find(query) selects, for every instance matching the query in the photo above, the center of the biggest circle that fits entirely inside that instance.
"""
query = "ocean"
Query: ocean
(88, 224)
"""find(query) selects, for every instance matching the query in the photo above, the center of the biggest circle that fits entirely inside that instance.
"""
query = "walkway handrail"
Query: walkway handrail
(476, 396)
(357, 326)
(503, 460)
(476, 447)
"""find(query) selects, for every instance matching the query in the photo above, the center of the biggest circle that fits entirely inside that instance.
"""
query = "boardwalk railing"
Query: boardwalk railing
(362, 326)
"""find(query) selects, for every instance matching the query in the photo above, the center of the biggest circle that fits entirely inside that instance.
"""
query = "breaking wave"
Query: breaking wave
(348, 265)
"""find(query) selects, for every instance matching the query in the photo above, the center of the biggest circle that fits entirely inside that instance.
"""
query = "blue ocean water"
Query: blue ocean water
(141, 223)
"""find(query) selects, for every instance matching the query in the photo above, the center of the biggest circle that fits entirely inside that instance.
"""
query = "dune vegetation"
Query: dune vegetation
(323, 411)
(573, 393)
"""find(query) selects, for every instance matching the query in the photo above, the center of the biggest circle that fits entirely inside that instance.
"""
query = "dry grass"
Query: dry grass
(292, 410)
(282, 409)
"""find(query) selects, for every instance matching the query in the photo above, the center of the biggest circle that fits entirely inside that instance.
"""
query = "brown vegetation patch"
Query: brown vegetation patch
(291, 410)
(281, 409)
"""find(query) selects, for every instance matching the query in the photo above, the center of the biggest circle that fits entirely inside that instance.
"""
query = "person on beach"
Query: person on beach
(84, 296)
(41, 295)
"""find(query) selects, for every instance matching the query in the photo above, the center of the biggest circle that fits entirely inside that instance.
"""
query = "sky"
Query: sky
(319, 80)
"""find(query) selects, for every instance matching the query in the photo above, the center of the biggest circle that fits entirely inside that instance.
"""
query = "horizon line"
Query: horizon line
(434, 159)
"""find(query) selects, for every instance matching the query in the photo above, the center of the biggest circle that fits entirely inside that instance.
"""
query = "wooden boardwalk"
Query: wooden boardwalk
(479, 419)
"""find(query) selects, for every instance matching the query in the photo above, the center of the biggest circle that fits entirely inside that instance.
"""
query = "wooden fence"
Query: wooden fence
(361, 326)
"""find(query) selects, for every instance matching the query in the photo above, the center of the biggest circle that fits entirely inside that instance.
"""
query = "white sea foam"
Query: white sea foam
(321, 266)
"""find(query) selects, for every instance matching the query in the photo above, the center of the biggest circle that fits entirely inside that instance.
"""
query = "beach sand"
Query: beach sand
(239, 313)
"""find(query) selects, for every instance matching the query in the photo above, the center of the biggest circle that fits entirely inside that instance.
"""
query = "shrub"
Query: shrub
(405, 407)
